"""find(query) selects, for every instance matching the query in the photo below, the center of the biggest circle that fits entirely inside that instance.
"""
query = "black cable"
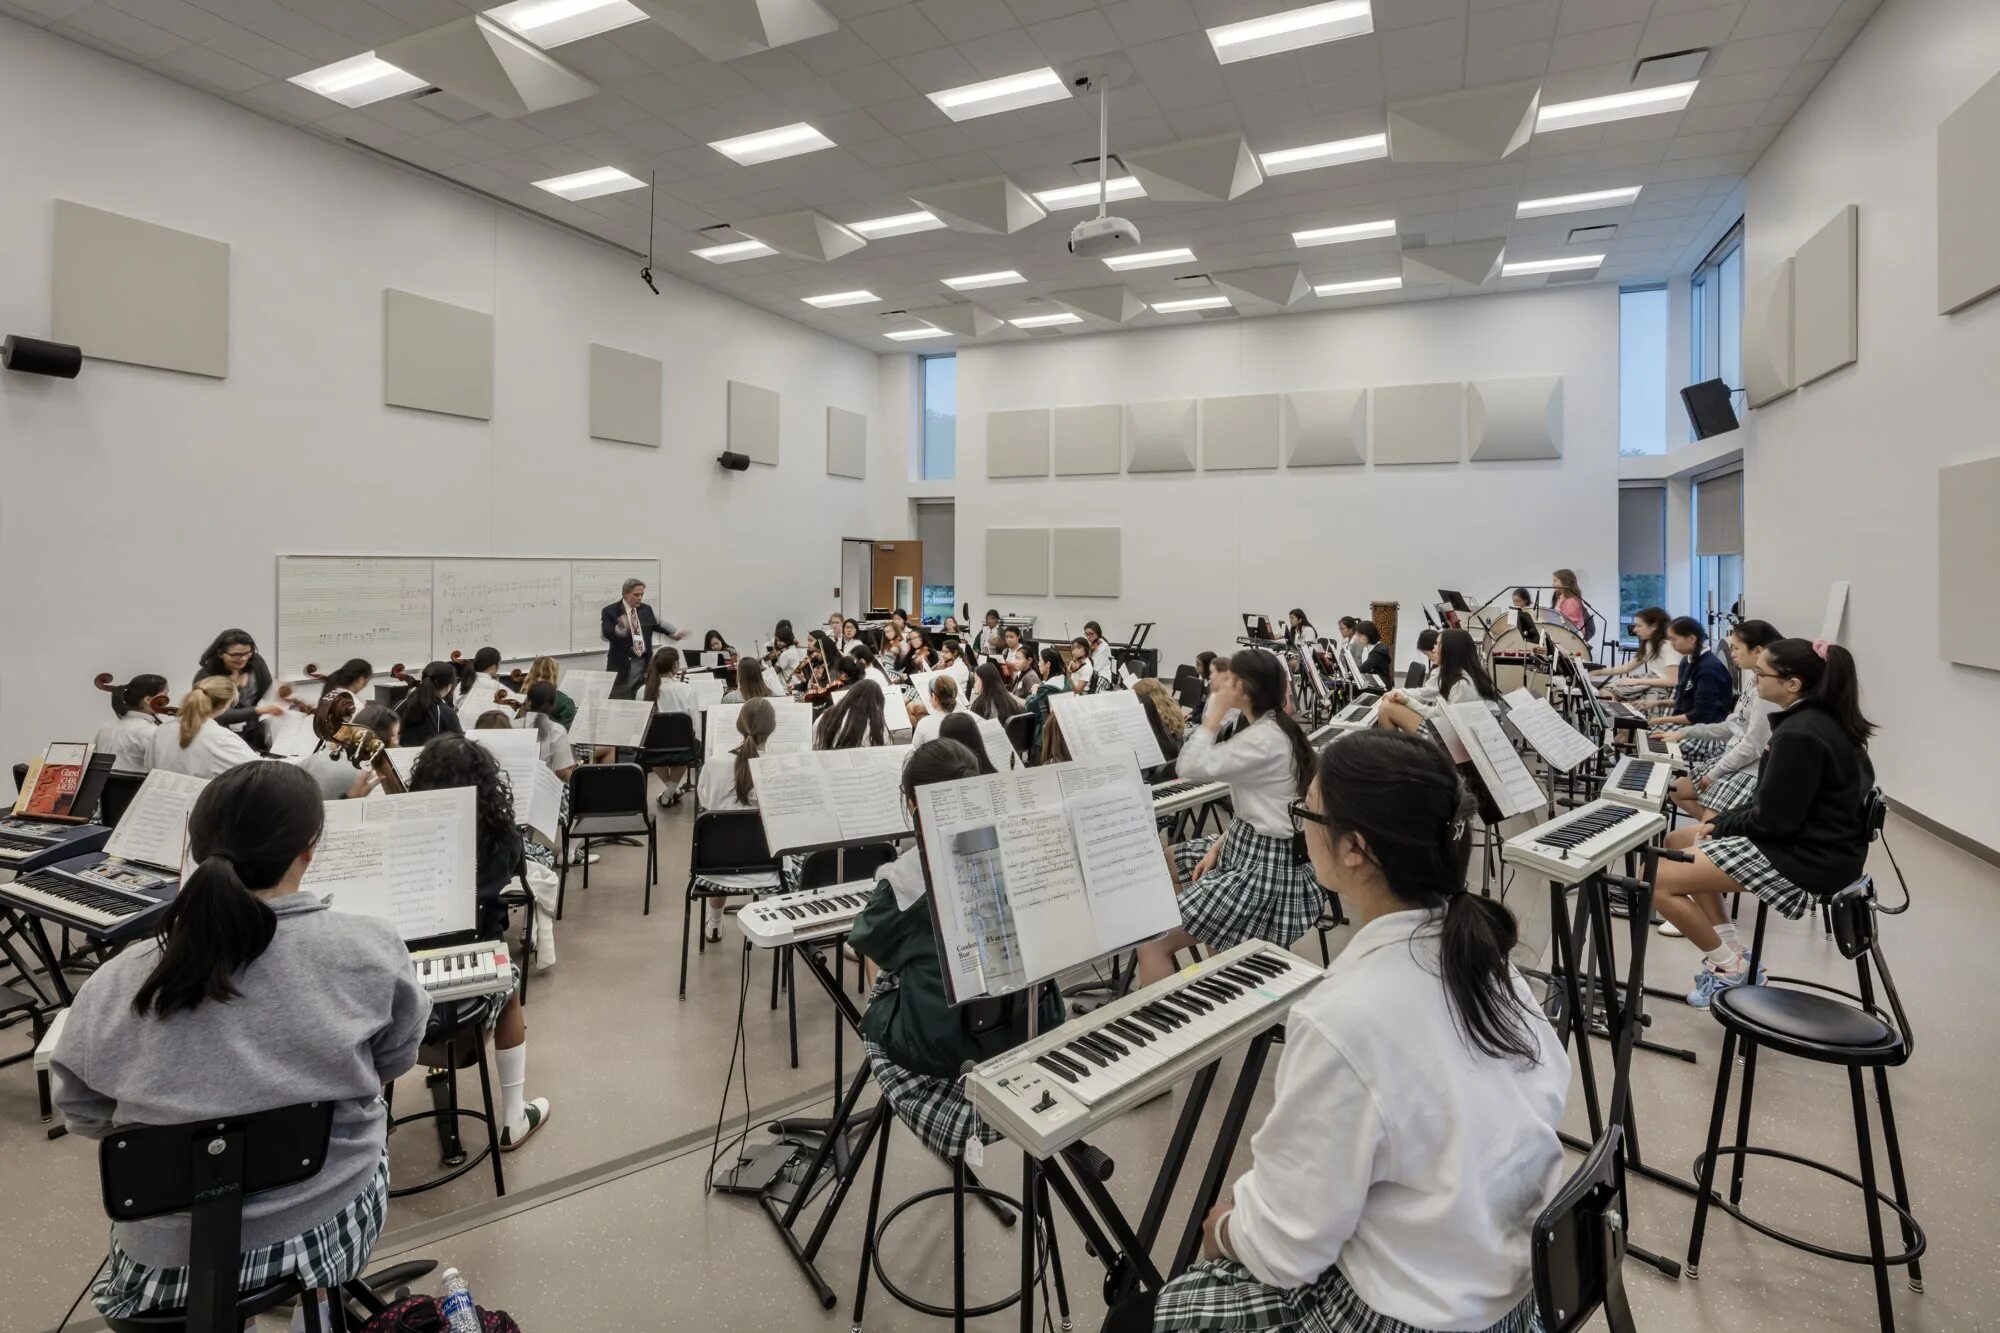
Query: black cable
(739, 1050)
(87, 1284)
(1894, 911)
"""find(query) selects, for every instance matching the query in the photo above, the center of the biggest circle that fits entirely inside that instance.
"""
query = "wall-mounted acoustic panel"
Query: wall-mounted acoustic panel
(1767, 338)
(846, 443)
(1511, 419)
(1087, 441)
(1160, 437)
(1326, 428)
(146, 295)
(1968, 201)
(1086, 562)
(753, 422)
(1825, 310)
(625, 395)
(1240, 431)
(1968, 553)
(1017, 443)
(1017, 562)
(1418, 423)
(436, 357)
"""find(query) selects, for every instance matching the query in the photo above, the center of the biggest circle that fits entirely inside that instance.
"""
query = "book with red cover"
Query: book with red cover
(61, 775)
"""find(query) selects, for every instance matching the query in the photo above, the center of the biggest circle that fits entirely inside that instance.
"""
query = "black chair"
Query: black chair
(1187, 687)
(1578, 1247)
(607, 801)
(1020, 730)
(119, 789)
(671, 741)
(845, 865)
(726, 842)
(519, 895)
(455, 1040)
(20, 777)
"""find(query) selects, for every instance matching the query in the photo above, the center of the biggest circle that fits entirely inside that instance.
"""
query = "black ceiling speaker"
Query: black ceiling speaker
(734, 462)
(38, 356)
(1708, 408)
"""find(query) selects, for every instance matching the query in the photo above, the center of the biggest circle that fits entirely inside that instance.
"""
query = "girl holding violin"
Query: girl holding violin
(713, 642)
(234, 655)
(751, 682)
(137, 707)
(785, 653)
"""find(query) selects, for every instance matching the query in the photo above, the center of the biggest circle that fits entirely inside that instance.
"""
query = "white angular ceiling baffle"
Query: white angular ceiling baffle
(731, 29)
(1114, 303)
(481, 62)
(992, 205)
(963, 318)
(806, 234)
(1462, 265)
(1471, 125)
(1213, 170)
(1276, 288)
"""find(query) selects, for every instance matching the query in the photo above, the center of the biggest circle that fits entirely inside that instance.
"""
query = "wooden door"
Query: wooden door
(893, 560)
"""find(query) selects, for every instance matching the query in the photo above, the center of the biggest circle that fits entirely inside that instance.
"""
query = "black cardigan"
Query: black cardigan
(241, 716)
(1806, 814)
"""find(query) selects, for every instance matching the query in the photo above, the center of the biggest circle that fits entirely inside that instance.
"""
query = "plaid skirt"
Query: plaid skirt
(1701, 753)
(454, 1013)
(1222, 1296)
(936, 1109)
(1256, 890)
(1744, 861)
(331, 1253)
(1730, 791)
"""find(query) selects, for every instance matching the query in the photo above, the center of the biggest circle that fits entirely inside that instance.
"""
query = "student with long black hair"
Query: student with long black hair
(992, 700)
(1460, 679)
(479, 686)
(1802, 836)
(855, 720)
(1723, 757)
(350, 677)
(1395, 1182)
(252, 995)
(1649, 674)
(1375, 659)
(1245, 884)
(961, 727)
(1703, 690)
(233, 653)
(128, 738)
(426, 710)
(1299, 629)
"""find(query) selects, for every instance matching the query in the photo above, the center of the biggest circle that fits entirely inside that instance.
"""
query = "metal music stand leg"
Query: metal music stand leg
(1225, 1148)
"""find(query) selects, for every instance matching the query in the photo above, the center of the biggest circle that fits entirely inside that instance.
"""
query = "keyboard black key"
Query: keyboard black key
(1055, 1068)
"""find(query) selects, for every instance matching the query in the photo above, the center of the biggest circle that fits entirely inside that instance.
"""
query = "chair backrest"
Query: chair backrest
(607, 789)
(1187, 688)
(1020, 730)
(119, 789)
(670, 731)
(829, 867)
(729, 841)
(1579, 1244)
(20, 776)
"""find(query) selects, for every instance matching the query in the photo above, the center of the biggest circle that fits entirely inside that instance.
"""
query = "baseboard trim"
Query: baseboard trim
(1945, 833)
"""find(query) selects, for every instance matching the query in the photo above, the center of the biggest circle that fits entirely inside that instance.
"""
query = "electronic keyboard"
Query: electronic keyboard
(1047, 1093)
(463, 971)
(1641, 783)
(1178, 794)
(811, 914)
(109, 900)
(26, 844)
(1623, 714)
(1645, 747)
(1572, 848)
(1358, 715)
(1323, 734)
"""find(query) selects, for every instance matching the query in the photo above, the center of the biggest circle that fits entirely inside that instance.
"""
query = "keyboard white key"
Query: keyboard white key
(1170, 798)
(1583, 841)
(1637, 782)
(456, 972)
(811, 914)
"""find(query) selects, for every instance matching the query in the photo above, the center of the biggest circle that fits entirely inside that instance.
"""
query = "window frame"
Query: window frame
(924, 473)
(1705, 316)
(1666, 344)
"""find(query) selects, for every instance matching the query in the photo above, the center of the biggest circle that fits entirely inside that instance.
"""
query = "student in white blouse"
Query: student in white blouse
(478, 691)
(1101, 661)
(1651, 673)
(129, 737)
(669, 693)
(732, 786)
(1412, 1141)
(198, 745)
(1459, 679)
(943, 701)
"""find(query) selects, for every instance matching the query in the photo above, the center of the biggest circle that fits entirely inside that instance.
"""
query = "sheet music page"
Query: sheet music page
(794, 801)
(1553, 738)
(1044, 895)
(1508, 780)
(579, 684)
(544, 813)
(519, 754)
(1124, 868)
(866, 787)
(291, 734)
(1449, 735)
(999, 750)
(154, 827)
(896, 710)
(1105, 725)
(708, 690)
(620, 722)
(792, 735)
(408, 859)
(403, 758)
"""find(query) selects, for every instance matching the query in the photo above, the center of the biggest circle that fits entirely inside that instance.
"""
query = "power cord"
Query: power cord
(738, 1053)
(88, 1283)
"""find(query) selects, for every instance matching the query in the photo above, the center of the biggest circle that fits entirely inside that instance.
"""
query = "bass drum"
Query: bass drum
(1513, 662)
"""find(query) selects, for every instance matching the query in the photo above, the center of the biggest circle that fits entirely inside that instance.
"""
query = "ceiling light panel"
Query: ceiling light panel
(734, 252)
(972, 281)
(1291, 30)
(591, 184)
(549, 23)
(902, 224)
(911, 335)
(1029, 88)
(1330, 154)
(1359, 286)
(1528, 267)
(1191, 303)
(832, 299)
(358, 81)
(1083, 196)
(1045, 321)
(1148, 259)
(1353, 231)
(770, 145)
(1618, 106)
(1576, 203)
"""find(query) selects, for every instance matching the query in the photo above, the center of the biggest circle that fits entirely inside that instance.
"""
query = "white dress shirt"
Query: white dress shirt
(1100, 658)
(1395, 1149)
(478, 701)
(1427, 701)
(215, 750)
(926, 727)
(1256, 763)
(677, 696)
(788, 662)
(129, 740)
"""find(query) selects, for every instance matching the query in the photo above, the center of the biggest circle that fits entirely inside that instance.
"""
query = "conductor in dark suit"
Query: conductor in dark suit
(629, 627)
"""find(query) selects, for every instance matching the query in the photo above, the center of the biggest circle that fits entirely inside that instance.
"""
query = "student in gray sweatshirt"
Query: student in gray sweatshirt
(253, 996)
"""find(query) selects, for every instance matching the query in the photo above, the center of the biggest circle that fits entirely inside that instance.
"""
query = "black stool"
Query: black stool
(1829, 1026)
(445, 1051)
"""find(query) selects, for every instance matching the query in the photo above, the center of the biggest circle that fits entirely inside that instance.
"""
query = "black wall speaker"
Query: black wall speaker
(734, 462)
(38, 356)
(1708, 408)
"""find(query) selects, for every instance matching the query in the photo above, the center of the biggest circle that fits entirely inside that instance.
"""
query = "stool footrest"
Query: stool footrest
(944, 1311)
(471, 1160)
(1717, 1200)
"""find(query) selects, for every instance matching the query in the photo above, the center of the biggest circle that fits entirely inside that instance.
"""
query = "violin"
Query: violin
(517, 680)
(502, 699)
(333, 723)
(287, 695)
(159, 705)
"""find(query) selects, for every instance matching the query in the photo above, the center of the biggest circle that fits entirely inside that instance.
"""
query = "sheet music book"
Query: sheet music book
(1508, 781)
(1036, 871)
(823, 797)
(580, 685)
(1105, 726)
(408, 859)
(792, 735)
(56, 781)
(1554, 739)
(153, 830)
(708, 690)
(619, 722)
(403, 758)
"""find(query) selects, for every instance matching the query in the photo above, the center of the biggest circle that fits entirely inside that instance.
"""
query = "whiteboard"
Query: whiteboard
(596, 584)
(520, 607)
(331, 608)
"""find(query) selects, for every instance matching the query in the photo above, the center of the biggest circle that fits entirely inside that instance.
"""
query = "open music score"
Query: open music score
(793, 734)
(1508, 781)
(1105, 726)
(1555, 740)
(537, 791)
(407, 858)
(822, 797)
(620, 722)
(153, 830)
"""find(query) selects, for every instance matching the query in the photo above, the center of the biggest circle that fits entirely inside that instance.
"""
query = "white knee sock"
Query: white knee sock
(1726, 934)
(513, 1067)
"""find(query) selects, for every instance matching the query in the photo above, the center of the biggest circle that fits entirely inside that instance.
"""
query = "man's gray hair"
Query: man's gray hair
(631, 584)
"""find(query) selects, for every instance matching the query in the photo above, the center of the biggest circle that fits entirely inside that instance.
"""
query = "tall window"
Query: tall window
(1642, 370)
(1715, 316)
(1718, 547)
(1642, 550)
(940, 403)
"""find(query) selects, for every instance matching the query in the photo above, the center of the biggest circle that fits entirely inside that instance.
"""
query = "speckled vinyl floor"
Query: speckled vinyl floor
(606, 1224)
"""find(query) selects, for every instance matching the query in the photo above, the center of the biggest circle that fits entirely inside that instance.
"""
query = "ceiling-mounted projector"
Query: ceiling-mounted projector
(1094, 238)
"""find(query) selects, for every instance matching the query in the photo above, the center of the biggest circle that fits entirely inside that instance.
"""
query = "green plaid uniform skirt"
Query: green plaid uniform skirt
(1222, 1296)
(936, 1109)
(1730, 791)
(1256, 891)
(1744, 861)
(331, 1253)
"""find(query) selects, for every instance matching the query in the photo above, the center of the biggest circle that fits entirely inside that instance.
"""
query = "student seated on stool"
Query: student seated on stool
(1723, 757)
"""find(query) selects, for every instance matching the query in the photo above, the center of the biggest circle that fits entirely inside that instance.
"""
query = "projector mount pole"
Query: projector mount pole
(1103, 144)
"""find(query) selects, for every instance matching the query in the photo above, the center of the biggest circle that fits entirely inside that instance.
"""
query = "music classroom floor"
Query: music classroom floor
(605, 1224)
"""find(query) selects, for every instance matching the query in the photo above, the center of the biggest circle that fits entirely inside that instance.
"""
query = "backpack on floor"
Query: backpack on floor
(420, 1314)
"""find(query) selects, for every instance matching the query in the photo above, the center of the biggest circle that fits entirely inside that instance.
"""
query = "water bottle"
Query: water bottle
(460, 1315)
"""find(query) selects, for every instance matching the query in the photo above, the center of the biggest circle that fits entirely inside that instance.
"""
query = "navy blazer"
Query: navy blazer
(1705, 692)
(611, 625)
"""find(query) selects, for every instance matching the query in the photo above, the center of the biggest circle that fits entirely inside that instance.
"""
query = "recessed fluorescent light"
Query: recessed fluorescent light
(1291, 30)
(1149, 259)
(1618, 106)
(1031, 88)
(1191, 303)
(911, 335)
(734, 251)
(1353, 231)
(590, 184)
(1330, 154)
(1575, 203)
(769, 145)
(1003, 278)
(1389, 284)
(1083, 196)
(832, 299)
(549, 23)
(1532, 266)
(1044, 321)
(358, 80)
(902, 224)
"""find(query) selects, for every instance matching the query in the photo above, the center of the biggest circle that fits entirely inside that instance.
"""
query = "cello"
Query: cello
(333, 723)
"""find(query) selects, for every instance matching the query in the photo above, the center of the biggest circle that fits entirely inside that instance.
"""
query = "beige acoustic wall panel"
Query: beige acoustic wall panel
(625, 395)
(1160, 437)
(146, 295)
(1017, 562)
(1418, 423)
(1767, 338)
(1968, 553)
(846, 443)
(753, 422)
(1017, 443)
(1825, 310)
(1326, 428)
(1968, 201)
(436, 357)
(1086, 562)
(1087, 441)
(1513, 419)
(1240, 431)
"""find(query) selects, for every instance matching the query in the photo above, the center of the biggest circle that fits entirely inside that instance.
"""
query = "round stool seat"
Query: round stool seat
(1811, 1026)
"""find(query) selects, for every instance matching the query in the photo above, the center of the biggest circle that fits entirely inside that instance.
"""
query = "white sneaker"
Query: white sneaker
(1672, 931)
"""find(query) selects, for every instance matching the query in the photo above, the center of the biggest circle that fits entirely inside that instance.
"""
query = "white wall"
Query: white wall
(1842, 476)
(142, 509)
(1200, 547)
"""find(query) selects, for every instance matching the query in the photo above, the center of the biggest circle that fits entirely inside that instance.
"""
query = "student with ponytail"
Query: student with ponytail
(253, 995)
(479, 687)
(943, 701)
(1246, 884)
(1723, 757)
(1802, 836)
(129, 738)
(732, 786)
(198, 744)
(1460, 679)
(427, 710)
